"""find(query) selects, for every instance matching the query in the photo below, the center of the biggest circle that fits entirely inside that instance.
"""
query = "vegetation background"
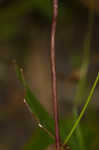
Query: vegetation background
(25, 37)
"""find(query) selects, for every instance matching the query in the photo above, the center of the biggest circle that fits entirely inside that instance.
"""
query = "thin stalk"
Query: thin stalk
(53, 71)
(83, 110)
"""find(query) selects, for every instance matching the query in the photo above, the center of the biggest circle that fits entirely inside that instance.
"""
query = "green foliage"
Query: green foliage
(11, 15)
(69, 134)
(39, 141)
(37, 109)
(48, 123)
(70, 131)
(83, 110)
(22, 7)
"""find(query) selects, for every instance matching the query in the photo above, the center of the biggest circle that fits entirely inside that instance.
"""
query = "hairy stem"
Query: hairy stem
(53, 71)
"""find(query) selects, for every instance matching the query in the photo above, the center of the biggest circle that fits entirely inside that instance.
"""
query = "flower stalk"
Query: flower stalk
(53, 72)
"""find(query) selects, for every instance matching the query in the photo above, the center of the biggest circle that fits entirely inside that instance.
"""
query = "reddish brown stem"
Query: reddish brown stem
(53, 71)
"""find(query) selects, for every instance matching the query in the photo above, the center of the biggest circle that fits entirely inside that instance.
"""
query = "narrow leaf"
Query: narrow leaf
(83, 110)
(36, 108)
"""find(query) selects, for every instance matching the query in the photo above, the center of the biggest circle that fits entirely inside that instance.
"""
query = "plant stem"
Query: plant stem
(83, 110)
(53, 71)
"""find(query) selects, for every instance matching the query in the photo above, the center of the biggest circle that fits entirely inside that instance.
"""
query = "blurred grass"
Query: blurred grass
(22, 7)
(11, 15)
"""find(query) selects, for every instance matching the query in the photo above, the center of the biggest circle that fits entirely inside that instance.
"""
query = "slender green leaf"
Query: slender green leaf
(37, 109)
(44, 118)
(83, 110)
(78, 133)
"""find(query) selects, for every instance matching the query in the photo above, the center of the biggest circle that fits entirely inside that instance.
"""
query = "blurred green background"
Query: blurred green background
(25, 37)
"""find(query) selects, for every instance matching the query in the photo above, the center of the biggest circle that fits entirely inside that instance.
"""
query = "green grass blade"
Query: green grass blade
(45, 119)
(83, 111)
(36, 108)
(81, 89)
(78, 133)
